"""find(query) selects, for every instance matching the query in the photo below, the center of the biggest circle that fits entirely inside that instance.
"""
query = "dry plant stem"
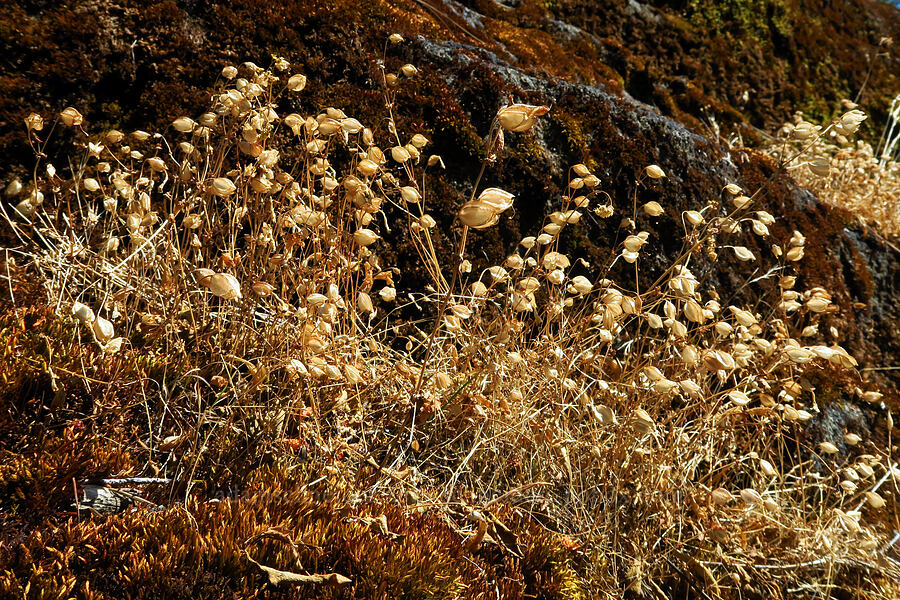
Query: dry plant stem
(448, 297)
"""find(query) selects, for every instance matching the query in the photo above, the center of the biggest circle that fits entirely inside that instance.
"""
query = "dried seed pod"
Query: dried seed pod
(581, 170)
(875, 500)
(603, 414)
(721, 496)
(694, 312)
(316, 299)
(741, 202)
(496, 199)
(739, 397)
(653, 209)
(156, 164)
(364, 303)
(400, 154)
(555, 260)
(224, 285)
(690, 387)
(799, 355)
(520, 117)
(296, 83)
(694, 218)
(581, 285)
(83, 313)
(850, 121)
(184, 124)
(498, 273)
(351, 125)
(103, 330)
(13, 189)
(804, 130)
(365, 237)
(222, 187)
(817, 304)
(872, 397)
(642, 422)
(743, 254)
(634, 243)
(71, 117)
(751, 497)
(654, 172)
(828, 448)
(410, 194)
(34, 122)
(477, 215)
(819, 166)
(262, 289)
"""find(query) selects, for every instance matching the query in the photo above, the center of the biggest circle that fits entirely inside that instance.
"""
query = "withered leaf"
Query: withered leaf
(277, 577)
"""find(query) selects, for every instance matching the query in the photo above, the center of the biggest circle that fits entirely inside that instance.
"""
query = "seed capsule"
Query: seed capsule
(224, 285)
(520, 117)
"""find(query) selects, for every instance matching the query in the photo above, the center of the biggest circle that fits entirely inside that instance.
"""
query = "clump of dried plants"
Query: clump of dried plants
(654, 429)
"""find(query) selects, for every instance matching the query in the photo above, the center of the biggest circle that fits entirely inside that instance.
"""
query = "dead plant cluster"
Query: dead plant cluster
(846, 173)
(660, 433)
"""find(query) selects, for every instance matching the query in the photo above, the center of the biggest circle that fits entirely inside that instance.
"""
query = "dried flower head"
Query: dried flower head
(71, 117)
(654, 172)
(520, 117)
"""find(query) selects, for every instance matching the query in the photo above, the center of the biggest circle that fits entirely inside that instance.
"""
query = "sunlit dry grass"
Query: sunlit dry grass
(659, 433)
(848, 174)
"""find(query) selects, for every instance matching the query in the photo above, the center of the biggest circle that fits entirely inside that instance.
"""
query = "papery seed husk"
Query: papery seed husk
(410, 194)
(828, 448)
(297, 82)
(520, 117)
(103, 330)
(693, 312)
(653, 209)
(751, 496)
(222, 186)
(364, 303)
(739, 397)
(224, 285)
(743, 253)
(83, 313)
(721, 496)
(400, 154)
(477, 215)
(365, 237)
(799, 355)
(262, 289)
(875, 500)
(654, 172)
(497, 199)
(71, 117)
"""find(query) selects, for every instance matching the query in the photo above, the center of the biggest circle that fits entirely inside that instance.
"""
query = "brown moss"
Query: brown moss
(199, 551)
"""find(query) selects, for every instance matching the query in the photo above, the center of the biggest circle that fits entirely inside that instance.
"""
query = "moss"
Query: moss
(199, 551)
(758, 19)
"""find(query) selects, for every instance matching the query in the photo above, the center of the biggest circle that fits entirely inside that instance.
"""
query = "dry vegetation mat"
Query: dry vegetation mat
(214, 386)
